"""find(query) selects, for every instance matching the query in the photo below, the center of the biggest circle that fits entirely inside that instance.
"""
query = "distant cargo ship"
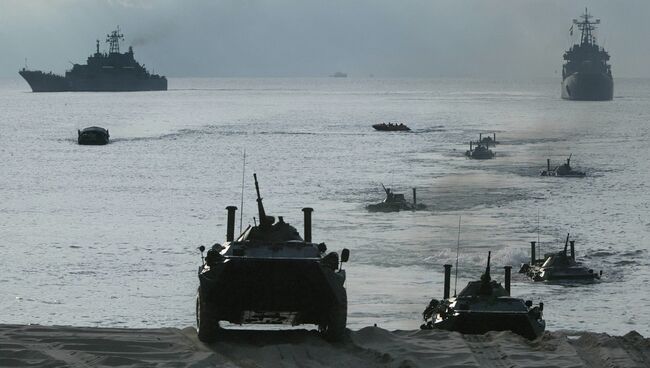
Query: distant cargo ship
(586, 75)
(103, 72)
(339, 75)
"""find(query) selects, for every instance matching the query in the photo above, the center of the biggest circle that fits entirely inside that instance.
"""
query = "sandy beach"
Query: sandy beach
(57, 346)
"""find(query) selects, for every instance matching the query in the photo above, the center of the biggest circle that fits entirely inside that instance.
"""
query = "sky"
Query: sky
(514, 39)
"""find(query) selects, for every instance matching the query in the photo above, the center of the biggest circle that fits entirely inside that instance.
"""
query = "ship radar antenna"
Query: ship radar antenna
(113, 40)
(586, 26)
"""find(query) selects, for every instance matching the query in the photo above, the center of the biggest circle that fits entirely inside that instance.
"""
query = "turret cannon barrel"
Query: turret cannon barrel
(264, 221)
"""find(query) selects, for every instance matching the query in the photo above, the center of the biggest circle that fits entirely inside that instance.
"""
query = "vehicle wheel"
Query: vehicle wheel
(333, 329)
(207, 325)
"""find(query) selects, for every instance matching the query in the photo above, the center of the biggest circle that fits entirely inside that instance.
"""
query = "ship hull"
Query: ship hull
(48, 82)
(588, 87)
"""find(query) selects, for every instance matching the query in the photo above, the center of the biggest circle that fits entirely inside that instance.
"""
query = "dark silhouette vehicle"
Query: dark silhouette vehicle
(559, 266)
(93, 136)
(270, 275)
(479, 151)
(395, 202)
(487, 140)
(564, 170)
(484, 306)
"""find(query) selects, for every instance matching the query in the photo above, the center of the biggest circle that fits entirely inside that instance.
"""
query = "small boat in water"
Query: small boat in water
(93, 136)
(558, 266)
(484, 306)
(391, 127)
(564, 170)
(395, 202)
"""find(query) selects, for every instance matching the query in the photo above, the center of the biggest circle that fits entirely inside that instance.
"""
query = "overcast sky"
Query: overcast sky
(388, 38)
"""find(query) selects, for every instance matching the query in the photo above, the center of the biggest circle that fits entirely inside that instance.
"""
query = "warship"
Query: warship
(93, 136)
(395, 202)
(271, 275)
(564, 170)
(483, 306)
(103, 72)
(559, 266)
(586, 75)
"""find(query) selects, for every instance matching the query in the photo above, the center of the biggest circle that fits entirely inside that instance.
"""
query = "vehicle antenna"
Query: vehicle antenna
(538, 243)
(457, 252)
(243, 172)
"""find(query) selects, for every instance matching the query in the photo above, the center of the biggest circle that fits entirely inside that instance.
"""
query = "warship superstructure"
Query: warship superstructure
(103, 72)
(586, 74)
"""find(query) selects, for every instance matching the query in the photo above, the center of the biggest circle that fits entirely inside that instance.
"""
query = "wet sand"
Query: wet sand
(59, 346)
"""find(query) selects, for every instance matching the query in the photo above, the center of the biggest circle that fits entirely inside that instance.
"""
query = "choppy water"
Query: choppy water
(107, 236)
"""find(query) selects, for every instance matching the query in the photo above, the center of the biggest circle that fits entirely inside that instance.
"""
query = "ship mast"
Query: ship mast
(113, 39)
(586, 27)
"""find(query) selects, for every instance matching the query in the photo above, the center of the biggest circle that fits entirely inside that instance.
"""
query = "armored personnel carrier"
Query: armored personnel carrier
(270, 275)
(92, 136)
(564, 170)
(558, 266)
(484, 306)
(479, 151)
(395, 202)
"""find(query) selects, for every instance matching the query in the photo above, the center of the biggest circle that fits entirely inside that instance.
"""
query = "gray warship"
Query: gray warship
(103, 72)
(565, 170)
(559, 266)
(484, 306)
(270, 275)
(586, 75)
(395, 202)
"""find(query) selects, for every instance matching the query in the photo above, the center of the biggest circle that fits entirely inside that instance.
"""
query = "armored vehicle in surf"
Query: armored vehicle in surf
(558, 266)
(271, 275)
(479, 151)
(395, 202)
(564, 170)
(391, 127)
(103, 72)
(93, 136)
(484, 306)
(586, 74)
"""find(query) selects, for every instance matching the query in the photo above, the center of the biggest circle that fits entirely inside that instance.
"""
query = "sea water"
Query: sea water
(108, 235)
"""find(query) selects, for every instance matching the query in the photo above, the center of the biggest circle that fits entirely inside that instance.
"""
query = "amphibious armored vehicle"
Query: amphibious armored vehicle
(395, 202)
(479, 151)
(558, 266)
(484, 306)
(391, 127)
(92, 136)
(564, 170)
(270, 275)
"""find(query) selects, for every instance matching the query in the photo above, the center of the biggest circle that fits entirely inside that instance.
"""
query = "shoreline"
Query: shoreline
(65, 346)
